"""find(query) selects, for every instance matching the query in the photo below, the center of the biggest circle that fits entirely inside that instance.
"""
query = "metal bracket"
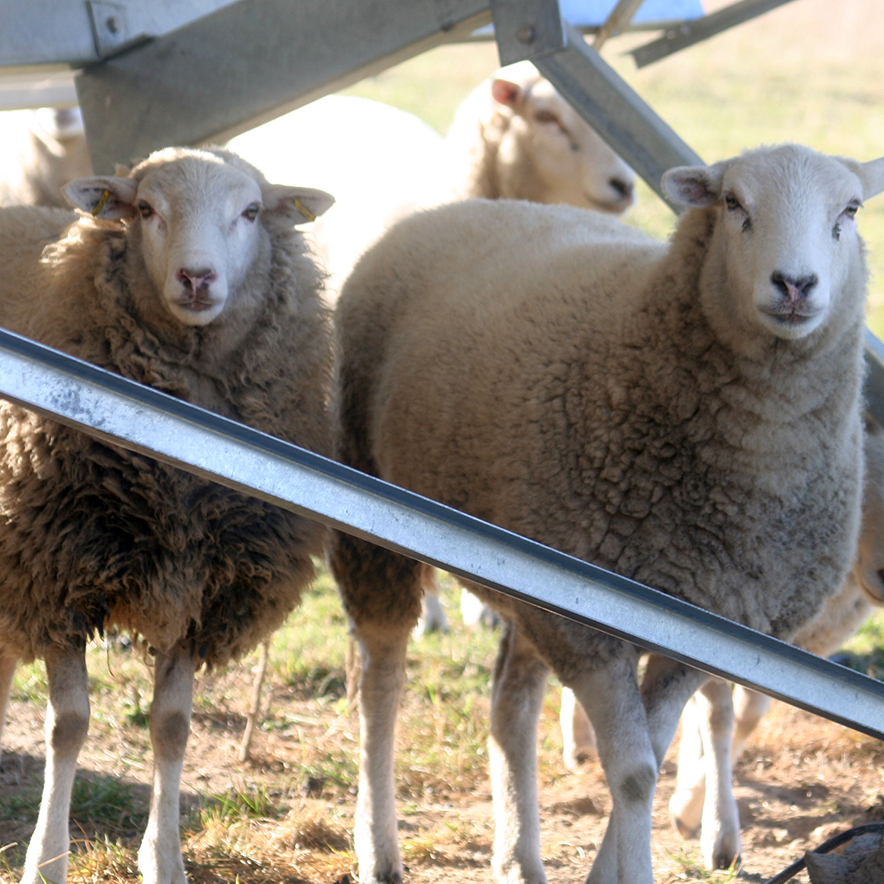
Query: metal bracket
(527, 29)
(690, 32)
(110, 27)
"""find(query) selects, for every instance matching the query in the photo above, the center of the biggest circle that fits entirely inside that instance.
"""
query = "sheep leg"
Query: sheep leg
(611, 697)
(375, 829)
(516, 697)
(749, 708)
(67, 722)
(159, 857)
(7, 671)
(720, 838)
(432, 613)
(578, 737)
(686, 804)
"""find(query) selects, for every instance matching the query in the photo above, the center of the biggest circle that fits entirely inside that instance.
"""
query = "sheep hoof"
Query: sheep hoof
(687, 832)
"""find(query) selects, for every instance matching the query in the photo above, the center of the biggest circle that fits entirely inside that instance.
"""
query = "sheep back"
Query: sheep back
(93, 536)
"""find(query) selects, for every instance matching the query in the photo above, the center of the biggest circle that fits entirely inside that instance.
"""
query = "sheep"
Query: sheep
(516, 137)
(184, 274)
(41, 151)
(687, 415)
(706, 748)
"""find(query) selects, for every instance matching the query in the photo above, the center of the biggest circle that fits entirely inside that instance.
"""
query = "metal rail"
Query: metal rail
(139, 418)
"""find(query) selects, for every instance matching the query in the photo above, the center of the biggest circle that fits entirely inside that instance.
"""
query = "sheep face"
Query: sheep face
(569, 161)
(195, 215)
(784, 238)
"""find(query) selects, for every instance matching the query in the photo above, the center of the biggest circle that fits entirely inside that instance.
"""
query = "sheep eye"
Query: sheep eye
(145, 209)
(543, 116)
(251, 212)
(851, 210)
(732, 202)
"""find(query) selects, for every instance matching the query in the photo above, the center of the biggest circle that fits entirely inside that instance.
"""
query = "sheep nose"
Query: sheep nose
(196, 279)
(623, 188)
(794, 288)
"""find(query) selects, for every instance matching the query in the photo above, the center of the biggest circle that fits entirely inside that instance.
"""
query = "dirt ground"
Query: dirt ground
(800, 781)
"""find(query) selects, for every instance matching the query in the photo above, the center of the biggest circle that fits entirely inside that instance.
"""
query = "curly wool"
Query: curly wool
(93, 536)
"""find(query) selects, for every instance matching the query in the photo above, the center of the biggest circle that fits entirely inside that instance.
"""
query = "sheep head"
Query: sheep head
(199, 218)
(548, 141)
(785, 246)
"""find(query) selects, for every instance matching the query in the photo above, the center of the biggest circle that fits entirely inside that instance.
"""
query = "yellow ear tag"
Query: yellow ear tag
(101, 204)
(304, 210)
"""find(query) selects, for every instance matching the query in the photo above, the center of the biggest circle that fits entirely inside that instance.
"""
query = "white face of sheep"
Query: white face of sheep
(200, 231)
(571, 162)
(785, 232)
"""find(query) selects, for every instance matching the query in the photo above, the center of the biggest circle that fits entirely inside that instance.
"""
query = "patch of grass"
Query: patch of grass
(110, 804)
(865, 651)
(247, 803)
(691, 868)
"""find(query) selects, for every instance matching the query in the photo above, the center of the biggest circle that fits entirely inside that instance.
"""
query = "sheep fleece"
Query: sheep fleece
(92, 536)
(488, 361)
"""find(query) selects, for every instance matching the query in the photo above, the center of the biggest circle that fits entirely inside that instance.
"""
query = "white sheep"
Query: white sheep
(516, 137)
(687, 415)
(187, 275)
(716, 726)
(40, 151)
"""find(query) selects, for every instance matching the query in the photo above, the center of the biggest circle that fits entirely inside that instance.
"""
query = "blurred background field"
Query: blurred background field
(811, 72)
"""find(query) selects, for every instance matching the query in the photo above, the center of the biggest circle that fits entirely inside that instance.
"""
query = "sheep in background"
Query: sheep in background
(40, 151)
(714, 718)
(516, 137)
(669, 412)
(189, 278)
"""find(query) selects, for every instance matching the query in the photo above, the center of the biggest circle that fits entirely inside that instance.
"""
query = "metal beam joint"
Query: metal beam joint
(527, 29)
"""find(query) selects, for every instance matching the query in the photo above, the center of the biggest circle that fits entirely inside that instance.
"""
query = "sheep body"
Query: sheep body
(663, 411)
(211, 296)
(39, 152)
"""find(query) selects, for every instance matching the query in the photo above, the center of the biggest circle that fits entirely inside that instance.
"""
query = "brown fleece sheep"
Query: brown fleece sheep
(192, 280)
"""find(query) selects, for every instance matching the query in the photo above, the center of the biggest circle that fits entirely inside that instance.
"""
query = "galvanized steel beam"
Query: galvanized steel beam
(527, 28)
(250, 62)
(77, 32)
(145, 420)
(688, 33)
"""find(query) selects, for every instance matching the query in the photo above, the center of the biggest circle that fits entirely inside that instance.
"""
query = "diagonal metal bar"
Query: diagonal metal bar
(619, 17)
(690, 32)
(142, 419)
(615, 110)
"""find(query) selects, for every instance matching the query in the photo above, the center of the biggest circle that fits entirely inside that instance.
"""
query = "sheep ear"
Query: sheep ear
(694, 186)
(506, 92)
(872, 176)
(103, 197)
(298, 204)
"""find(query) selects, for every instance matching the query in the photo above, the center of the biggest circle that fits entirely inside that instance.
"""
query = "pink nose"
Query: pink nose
(196, 279)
